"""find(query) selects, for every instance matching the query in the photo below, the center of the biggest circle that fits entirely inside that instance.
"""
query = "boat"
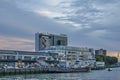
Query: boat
(69, 70)
(109, 69)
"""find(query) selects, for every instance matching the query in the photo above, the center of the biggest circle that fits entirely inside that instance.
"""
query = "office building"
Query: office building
(101, 52)
(44, 40)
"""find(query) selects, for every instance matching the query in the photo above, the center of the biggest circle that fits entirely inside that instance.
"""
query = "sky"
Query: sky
(87, 23)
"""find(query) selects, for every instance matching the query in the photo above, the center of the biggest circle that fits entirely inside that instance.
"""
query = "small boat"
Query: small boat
(109, 69)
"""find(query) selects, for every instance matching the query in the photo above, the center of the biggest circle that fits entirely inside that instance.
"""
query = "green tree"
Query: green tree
(107, 59)
(111, 60)
(99, 58)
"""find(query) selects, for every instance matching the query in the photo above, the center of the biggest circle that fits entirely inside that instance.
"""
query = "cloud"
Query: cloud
(16, 43)
(16, 22)
(92, 23)
(97, 33)
(48, 13)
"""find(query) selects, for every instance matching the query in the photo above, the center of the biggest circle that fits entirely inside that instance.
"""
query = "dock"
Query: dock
(4, 72)
(14, 71)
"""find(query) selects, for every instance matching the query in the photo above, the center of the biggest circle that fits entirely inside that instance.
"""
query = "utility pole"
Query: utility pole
(118, 56)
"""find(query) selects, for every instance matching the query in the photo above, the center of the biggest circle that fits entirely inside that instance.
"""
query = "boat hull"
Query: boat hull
(69, 70)
(109, 69)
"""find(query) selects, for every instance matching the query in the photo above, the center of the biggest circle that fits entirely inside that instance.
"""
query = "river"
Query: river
(93, 75)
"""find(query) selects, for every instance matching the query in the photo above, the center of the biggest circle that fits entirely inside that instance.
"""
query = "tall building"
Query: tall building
(101, 52)
(44, 40)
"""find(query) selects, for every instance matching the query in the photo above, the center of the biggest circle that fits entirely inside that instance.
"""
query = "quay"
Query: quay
(4, 72)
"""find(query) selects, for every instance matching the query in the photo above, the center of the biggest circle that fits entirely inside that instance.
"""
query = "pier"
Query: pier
(14, 71)
(4, 72)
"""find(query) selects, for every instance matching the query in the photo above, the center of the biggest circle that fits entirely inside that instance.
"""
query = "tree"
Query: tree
(107, 59)
(99, 58)
(111, 60)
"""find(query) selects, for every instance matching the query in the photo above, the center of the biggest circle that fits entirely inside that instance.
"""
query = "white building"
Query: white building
(72, 56)
(15, 58)
(100, 64)
(44, 40)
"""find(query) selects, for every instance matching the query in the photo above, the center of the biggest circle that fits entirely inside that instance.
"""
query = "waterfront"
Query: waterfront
(93, 75)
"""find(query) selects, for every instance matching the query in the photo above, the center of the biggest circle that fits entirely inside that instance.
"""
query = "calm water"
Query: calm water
(94, 75)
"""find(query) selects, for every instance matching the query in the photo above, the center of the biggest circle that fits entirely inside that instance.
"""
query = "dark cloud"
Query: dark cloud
(100, 15)
(104, 2)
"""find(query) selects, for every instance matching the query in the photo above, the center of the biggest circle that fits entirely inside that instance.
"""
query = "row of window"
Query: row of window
(20, 58)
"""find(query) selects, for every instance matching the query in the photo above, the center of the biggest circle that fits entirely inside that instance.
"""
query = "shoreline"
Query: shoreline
(4, 72)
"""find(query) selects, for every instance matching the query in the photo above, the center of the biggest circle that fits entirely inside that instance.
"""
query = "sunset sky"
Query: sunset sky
(88, 23)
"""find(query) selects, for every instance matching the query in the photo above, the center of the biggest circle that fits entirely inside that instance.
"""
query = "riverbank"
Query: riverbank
(24, 71)
(94, 75)
(14, 71)
(98, 68)
(106, 66)
(4, 72)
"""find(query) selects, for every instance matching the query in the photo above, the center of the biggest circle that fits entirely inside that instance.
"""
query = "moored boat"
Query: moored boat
(109, 69)
(69, 70)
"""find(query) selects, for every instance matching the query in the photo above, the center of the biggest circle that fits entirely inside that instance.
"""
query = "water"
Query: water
(94, 75)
